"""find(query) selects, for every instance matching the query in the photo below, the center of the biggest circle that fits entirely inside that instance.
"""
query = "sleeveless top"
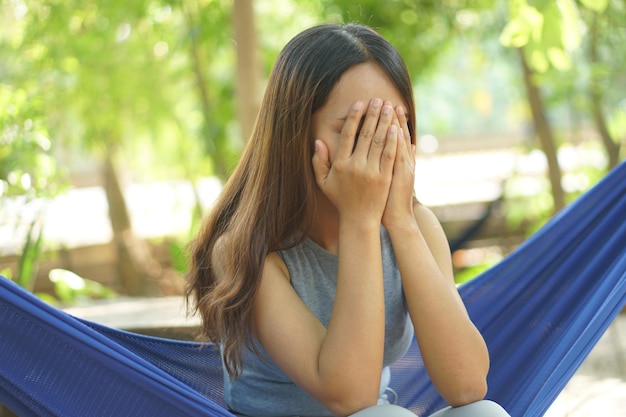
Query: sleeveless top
(262, 389)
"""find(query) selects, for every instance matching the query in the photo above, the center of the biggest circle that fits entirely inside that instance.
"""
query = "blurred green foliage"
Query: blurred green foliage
(108, 76)
(70, 288)
(27, 166)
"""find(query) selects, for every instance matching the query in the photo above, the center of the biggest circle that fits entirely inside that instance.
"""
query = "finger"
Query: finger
(406, 150)
(390, 150)
(407, 153)
(382, 133)
(321, 162)
(396, 121)
(368, 129)
(403, 149)
(404, 123)
(349, 130)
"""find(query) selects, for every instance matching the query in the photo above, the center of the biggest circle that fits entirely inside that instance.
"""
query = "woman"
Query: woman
(316, 264)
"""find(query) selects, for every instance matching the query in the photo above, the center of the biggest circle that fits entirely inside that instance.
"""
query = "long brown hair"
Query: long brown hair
(265, 205)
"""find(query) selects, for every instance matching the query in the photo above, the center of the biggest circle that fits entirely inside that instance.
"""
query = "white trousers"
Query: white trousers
(483, 408)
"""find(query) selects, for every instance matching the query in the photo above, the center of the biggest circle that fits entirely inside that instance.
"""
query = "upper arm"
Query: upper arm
(288, 331)
(329, 364)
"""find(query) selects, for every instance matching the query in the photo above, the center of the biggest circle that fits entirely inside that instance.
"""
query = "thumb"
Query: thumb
(321, 162)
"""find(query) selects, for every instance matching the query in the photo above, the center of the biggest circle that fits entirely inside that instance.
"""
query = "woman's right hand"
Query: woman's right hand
(358, 178)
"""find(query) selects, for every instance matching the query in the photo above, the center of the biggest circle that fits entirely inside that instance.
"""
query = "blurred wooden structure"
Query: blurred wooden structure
(98, 262)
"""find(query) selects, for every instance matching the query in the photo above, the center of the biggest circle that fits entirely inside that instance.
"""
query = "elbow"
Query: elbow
(467, 393)
(468, 386)
(350, 404)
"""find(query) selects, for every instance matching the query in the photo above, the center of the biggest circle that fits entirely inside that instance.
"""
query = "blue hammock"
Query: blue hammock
(541, 310)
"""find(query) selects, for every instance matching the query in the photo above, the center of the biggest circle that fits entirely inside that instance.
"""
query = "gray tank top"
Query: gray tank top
(262, 389)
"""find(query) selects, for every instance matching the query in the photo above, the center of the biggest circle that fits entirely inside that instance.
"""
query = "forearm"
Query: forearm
(453, 350)
(352, 353)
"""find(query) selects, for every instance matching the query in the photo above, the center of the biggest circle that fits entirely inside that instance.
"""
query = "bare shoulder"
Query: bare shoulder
(426, 219)
(275, 267)
(222, 255)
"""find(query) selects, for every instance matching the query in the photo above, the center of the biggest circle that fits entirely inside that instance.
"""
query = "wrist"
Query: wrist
(402, 228)
(362, 224)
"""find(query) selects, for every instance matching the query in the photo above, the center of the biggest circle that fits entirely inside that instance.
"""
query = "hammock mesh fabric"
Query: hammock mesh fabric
(541, 310)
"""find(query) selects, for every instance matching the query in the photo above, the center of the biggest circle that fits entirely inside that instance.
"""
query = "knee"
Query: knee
(483, 408)
(385, 410)
(490, 408)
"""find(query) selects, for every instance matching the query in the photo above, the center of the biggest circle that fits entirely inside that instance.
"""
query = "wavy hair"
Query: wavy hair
(265, 205)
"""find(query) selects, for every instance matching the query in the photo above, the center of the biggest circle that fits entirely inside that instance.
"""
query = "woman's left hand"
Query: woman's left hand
(399, 208)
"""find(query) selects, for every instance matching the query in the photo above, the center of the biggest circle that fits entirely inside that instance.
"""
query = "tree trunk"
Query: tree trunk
(191, 9)
(248, 67)
(135, 260)
(544, 133)
(611, 146)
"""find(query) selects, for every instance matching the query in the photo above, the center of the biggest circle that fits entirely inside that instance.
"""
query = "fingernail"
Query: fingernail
(387, 109)
(377, 102)
(400, 111)
(392, 129)
(358, 105)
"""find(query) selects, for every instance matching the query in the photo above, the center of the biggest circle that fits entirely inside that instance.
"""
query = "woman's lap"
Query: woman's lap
(384, 410)
(483, 408)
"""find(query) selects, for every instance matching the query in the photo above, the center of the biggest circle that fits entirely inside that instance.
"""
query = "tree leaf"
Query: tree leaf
(559, 59)
(570, 24)
(538, 61)
(595, 5)
(516, 33)
(523, 28)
